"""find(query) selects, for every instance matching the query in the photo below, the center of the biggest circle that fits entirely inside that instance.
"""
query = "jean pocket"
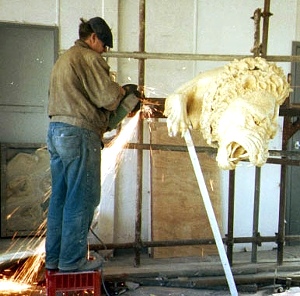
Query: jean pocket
(68, 146)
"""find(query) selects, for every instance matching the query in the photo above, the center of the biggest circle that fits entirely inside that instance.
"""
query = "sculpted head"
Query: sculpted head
(235, 107)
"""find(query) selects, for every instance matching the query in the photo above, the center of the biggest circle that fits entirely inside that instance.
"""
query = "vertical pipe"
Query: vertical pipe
(230, 215)
(139, 196)
(281, 219)
(142, 34)
(256, 49)
(255, 214)
(265, 35)
(282, 198)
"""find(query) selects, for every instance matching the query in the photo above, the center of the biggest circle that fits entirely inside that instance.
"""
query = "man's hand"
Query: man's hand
(132, 89)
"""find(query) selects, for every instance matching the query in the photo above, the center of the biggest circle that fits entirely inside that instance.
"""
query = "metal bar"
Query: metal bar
(284, 161)
(266, 15)
(164, 147)
(258, 240)
(212, 151)
(290, 238)
(248, 283)
(195, 57)
(230, 224)
(287, 133)
(149, 244)
(281, 219)
(256, 49)
(255, 214)
(189, 242)
(200, 149)
(141, 64)
(210, 213)
(139, 197)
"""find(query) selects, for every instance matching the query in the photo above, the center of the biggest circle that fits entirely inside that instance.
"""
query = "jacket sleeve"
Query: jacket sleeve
(102, 91)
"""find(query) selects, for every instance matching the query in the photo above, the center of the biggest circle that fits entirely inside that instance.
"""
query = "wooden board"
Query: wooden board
(177, 207)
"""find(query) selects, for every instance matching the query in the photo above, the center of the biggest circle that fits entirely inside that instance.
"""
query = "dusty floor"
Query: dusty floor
(179, 276)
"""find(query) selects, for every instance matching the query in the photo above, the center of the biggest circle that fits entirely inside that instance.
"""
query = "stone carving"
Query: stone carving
(28, 184)
(235, 107)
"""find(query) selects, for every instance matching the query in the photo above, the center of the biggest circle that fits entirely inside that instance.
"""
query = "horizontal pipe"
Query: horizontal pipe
(175, 148)
(190, 242)
(215, 282)
(200, 149)
(284, 161)
(213, 151)
(151, 244)
(193, 57)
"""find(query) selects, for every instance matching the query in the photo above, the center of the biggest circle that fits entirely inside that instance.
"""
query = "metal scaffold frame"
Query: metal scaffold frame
(286, 157)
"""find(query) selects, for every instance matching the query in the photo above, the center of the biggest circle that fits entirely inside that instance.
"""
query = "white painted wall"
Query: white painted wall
(174, 26)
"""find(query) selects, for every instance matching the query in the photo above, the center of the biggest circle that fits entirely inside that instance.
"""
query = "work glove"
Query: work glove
(130, 104)
(133, 89)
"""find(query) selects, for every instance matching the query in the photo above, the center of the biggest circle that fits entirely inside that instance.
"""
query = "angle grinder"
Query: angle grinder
(129, 104)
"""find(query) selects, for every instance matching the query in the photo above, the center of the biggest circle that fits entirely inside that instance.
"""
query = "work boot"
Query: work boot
(94, 262)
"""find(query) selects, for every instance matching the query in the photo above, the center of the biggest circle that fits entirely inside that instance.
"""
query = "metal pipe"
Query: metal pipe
(266, 15)
(188, 242)
(281, 221)
(230, 223)
(139, 195)
(255, 232)
(199, 149)
(195, 57)
(247, 282)
(141, 64)
(287, 133)
(256, 49)
(212, 152)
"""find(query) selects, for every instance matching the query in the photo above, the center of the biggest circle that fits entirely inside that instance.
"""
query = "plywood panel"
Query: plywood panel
(177, 207)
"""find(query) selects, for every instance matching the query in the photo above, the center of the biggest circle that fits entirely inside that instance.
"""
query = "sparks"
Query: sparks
(8, 286)
(211, 183)
(147, 111)
(29, 271)
(115, 147)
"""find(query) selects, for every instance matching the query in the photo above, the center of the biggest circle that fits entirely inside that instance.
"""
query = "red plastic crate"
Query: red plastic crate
(73, 283)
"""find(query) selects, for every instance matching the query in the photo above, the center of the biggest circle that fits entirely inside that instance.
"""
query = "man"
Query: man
(81, 98)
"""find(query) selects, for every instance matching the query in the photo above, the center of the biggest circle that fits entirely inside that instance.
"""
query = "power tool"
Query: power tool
(130, 103)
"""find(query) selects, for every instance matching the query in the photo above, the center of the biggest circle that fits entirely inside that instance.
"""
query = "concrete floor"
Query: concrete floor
(178, 276)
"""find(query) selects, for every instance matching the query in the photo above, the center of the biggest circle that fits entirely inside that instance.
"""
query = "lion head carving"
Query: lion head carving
(235, 107)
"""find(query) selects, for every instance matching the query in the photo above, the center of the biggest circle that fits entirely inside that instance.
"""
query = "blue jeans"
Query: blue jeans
(75, 155)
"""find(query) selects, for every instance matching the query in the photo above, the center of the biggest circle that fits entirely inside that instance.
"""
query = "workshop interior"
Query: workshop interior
(199, 166)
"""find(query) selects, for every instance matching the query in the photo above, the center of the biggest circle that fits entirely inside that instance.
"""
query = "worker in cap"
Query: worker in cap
(102, 31)
(81, 98)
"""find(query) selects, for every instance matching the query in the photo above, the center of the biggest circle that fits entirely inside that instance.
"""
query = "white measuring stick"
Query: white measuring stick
(210, 213)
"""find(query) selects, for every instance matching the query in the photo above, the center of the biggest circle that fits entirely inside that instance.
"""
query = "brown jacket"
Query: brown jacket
(81, 91)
